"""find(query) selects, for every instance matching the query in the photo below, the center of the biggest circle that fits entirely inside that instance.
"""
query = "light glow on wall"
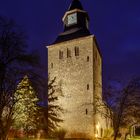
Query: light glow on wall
(97, 130)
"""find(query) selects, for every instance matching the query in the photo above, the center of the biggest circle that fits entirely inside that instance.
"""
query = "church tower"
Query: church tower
(75, 60)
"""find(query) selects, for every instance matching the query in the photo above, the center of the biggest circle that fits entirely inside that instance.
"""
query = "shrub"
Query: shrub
(60, 134)
(78, 135)
(108, 133)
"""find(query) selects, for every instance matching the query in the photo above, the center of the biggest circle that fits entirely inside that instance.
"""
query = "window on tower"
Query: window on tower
(68, 53)
(60, 54)
(51, 65)
(87, 58)
(86, 111)
(76, 51)
(87, 86)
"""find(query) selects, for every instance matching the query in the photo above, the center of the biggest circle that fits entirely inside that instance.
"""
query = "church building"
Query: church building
(76, 62)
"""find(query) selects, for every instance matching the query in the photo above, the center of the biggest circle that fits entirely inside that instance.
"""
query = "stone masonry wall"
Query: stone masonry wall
(77, 76)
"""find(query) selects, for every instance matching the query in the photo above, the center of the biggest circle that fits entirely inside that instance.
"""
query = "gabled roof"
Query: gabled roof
(76, 4)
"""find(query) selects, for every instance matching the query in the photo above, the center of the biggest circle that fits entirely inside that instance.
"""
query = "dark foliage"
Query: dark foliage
(14, 64)
(124, 105)
(51, 111)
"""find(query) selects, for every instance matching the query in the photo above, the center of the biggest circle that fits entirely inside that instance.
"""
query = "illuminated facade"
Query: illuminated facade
(76, 62)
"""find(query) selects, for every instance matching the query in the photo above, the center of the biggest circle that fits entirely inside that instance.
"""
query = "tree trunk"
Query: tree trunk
(4, 131)
(126, 136)
(116, 134)
(116, 129)
(4, 137)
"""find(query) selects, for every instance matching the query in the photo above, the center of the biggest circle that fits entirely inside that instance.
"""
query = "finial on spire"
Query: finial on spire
(76, 4)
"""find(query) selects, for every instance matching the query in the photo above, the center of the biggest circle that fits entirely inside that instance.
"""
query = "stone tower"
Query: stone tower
(75, 60)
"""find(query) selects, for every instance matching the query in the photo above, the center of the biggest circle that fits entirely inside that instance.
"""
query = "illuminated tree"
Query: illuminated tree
(25, 108)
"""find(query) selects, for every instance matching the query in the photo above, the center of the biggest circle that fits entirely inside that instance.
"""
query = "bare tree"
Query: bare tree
(14, 61)
(122, 106)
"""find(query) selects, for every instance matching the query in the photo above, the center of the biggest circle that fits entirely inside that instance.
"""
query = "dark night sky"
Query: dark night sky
(115, 23)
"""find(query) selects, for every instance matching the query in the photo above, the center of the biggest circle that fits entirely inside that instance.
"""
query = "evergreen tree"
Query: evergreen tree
(54, 110)
(51, 112)
(25, 108)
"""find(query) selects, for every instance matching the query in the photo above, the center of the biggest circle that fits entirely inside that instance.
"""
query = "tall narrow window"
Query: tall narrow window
(87, 58)
(60, 54)
(51, 65)
(76, 51)
(87, 86)
(86, 111)
(68, 53)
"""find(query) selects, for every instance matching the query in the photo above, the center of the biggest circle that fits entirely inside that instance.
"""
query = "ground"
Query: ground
(135, 138)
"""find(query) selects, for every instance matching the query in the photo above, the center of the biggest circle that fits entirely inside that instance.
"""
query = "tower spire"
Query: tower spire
(76, 4)
(76, 22)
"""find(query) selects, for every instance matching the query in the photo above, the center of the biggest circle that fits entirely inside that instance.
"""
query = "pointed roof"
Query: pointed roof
(76, 4)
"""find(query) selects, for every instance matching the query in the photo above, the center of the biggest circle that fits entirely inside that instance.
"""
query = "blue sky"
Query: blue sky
(115, 23)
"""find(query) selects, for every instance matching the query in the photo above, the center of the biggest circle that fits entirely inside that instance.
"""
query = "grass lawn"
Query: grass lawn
(44, 139)
(29, 139)
(135, 138)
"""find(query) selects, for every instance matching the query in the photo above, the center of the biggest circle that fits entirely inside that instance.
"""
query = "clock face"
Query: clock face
(72, 19)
